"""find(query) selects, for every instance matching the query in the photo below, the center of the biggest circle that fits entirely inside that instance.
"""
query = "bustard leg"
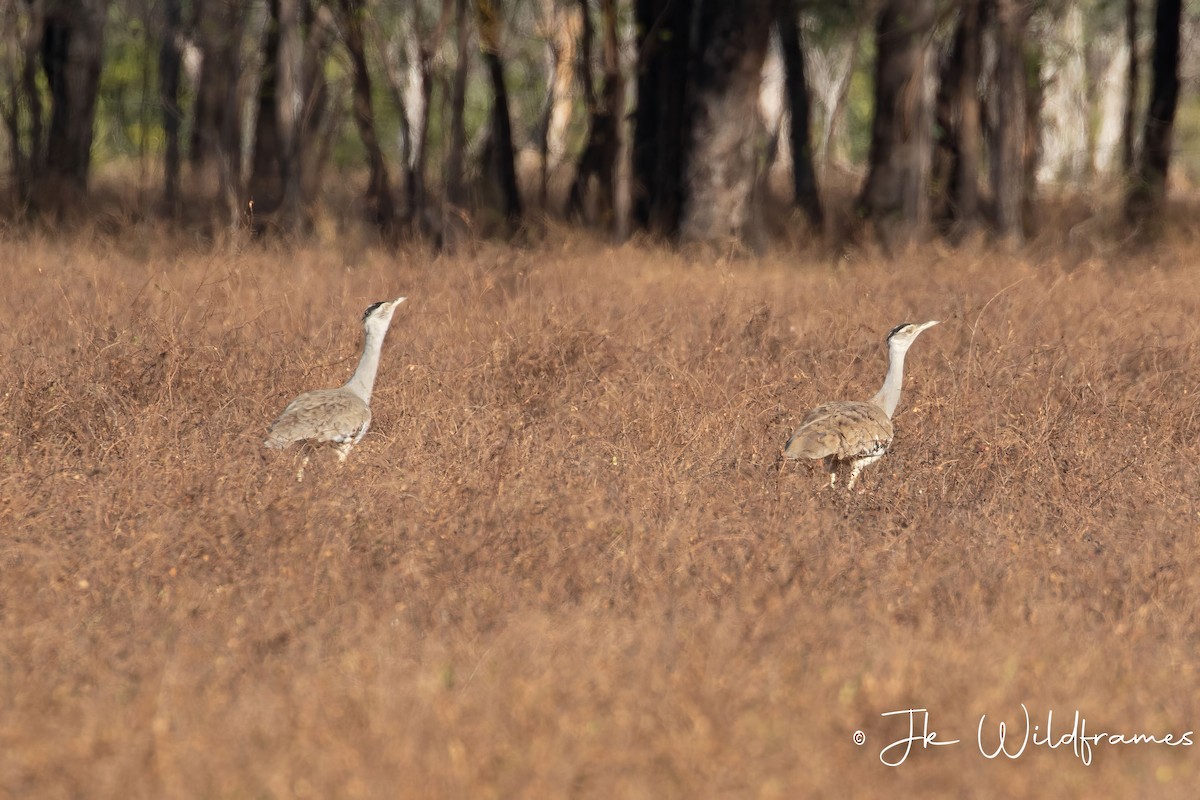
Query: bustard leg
(831, 465)
(343, 450)
(854, 470)
(300, 472)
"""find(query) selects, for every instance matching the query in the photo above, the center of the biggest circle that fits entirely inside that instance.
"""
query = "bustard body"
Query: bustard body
(340, 415)
(853, 434)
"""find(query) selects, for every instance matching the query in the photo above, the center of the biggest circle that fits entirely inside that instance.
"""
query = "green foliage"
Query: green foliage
(128, 120)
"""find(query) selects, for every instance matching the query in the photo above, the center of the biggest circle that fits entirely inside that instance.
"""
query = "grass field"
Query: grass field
(565, 561)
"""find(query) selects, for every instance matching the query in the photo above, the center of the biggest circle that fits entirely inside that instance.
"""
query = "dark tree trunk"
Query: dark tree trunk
(419, 135)
(27, 144)
(168, 89)
(317, 35)
(719, 203)
(804, 176)
(72, 52)
(455, 157)
(1149, 189)
(1031, 153)
(956, 167)
(266, 183)
(379, 189)
(216, 118)
(895, 196)
(660, 123)
(599, 158)
(288, 88)
(488, 12)
(1131, 87)
(1008, 148)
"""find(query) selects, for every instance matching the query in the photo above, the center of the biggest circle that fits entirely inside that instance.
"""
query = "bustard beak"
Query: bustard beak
(929, 324)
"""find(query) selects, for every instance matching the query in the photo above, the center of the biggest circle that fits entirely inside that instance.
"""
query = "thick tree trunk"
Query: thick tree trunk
(265, 186)
(719, 203)
(895, 196)
(1066, 117)
(318, 32)
(1131, 87)
(1111, 52)
(1149, 189)
(488, 12)
(216, 118)
(561, 27)
(599, 158)
(379, 190)
(72, 52)
(1008, 148)
(417, 96)
(956, 167)
(289, 105)
(664, 28)
(804, 176)
(456, 193)
(168, 90)
(23, 110)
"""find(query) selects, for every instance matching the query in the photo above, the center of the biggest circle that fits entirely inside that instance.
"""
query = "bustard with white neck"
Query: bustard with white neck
(340, 415)
(852, 434)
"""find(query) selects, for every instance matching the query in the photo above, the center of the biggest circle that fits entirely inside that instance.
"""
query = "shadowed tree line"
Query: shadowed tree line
(663, 116)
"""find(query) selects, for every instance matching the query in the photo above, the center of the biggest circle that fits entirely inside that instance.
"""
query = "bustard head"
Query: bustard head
(379, 315)
(902, 335)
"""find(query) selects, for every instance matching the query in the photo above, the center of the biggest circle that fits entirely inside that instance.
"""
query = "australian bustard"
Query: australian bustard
(851, 433)
(340, 415)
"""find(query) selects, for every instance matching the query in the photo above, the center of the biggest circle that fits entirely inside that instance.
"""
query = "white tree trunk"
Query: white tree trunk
(829, 71)
(1065, 112)
(1112, 53)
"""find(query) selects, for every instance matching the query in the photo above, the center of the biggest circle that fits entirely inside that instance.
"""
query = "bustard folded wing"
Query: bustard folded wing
(842, 430)
(325, 415)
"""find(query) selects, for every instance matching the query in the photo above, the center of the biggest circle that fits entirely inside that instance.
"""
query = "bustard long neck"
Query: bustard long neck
(888, 396)
(363, 379)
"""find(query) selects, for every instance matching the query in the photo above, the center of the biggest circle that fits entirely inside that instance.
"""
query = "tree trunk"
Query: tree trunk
(956, 167)
(719, 203)
(289, 105)
(1031, 153)
(379, 189)
(317, 124)
(72, 52)
(488, 12)
(599, 158)
(895, 196)
(23, 25)
(1149, 190)
(804, 176)
(168, 89)
(1131, 87)
(664, 28)
(216, 117)
(417, 96)
(1111, 51)
(265, 187)
(1064, 126)
(561, 26)
(1008, 149)
(456, 193)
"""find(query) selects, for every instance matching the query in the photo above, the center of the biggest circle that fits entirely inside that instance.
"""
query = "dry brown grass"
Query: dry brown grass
(564, 562)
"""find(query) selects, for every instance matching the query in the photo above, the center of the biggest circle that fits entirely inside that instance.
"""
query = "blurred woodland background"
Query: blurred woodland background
(442, 119)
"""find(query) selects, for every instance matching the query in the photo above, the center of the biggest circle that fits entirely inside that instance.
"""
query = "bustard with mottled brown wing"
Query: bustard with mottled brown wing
(856, 434)
(340, 415)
